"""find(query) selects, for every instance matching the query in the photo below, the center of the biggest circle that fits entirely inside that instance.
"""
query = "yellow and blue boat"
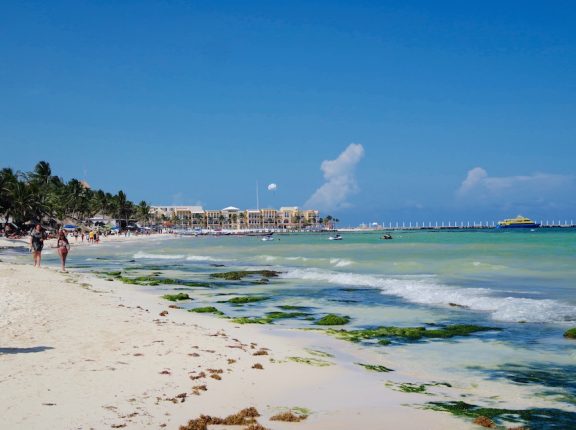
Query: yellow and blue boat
(518, 222)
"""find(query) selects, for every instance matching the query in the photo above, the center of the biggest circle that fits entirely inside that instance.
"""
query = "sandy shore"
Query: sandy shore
(78, 352)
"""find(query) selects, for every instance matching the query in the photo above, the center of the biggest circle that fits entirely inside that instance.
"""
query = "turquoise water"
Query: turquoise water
(522, 282)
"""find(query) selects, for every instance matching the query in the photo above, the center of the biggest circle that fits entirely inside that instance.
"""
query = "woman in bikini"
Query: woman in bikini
(63, 248)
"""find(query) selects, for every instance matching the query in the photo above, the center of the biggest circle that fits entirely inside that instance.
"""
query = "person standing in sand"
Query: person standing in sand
(63, 247)
(37, 243)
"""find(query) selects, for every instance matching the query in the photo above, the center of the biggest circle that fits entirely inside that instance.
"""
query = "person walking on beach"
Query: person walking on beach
(63, 247)
(37, 243)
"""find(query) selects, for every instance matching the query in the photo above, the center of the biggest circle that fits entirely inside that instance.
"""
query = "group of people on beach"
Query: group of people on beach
(37, 238)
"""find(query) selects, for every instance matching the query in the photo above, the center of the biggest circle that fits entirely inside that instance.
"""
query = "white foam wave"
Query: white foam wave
(429, 292)
(340, 262)
(268, 258)
(202, 258)
(297, 258)
(143, 255)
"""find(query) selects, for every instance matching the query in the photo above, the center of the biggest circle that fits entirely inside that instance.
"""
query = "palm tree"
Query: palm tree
(42, 173)
(198, 218)
(234, 219)
(7, 180)
(242, 220)
(76, 199)
(122, 207)
(142, 211)
(25, 205)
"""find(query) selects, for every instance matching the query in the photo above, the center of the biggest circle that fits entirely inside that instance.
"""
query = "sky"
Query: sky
(371, 111)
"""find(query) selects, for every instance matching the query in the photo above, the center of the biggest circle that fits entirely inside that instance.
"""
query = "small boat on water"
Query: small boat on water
(518, 222)
(386, 236)
(335, 237)
(267, 238)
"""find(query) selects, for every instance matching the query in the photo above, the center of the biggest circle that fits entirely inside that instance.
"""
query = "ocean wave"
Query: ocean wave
(202, 258)
(297, 258)
(268, 258)
(143, 255)
(428, 292)
(340, 262)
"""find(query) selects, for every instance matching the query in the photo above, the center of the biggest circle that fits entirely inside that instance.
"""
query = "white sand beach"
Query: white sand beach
(78, 352)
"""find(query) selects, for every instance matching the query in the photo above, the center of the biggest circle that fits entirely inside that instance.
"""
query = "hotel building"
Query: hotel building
(232, 218)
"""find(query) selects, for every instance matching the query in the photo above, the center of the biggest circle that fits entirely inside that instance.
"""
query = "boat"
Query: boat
(267, 238)
(518, 222)
(386, 236)
(335, 237)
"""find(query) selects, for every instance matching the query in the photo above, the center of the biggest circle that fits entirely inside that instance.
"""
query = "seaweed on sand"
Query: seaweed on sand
(206, 310)
(153, 279)
(332, 319)
(407, 333)
(244, 417)
(176, 297)
(375, 367)
(241, 274)
(269, 318)
(535, 418)
(288, 416)
(310, 361)
(293, 308)
(245, 299)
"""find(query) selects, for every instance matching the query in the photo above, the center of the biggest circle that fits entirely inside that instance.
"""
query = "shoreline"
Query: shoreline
(82, 352)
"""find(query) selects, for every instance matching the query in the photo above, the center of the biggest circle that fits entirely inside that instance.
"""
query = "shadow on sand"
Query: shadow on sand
(24, 350)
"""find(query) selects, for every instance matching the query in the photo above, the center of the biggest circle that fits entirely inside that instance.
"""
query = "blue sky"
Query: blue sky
(457, 110)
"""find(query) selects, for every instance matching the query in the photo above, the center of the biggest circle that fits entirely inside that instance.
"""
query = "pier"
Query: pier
(457, 225)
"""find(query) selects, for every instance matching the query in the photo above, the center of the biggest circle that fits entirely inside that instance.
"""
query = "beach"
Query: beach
(100, 347)
(79, 352)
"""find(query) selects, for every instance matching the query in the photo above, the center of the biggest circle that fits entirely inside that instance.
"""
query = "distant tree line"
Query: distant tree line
(40, 196)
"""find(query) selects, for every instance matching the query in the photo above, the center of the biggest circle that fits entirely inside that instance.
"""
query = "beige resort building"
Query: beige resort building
(233, 218)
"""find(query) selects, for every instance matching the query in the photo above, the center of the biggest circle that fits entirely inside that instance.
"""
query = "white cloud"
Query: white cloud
(340, 180)
(539, 188)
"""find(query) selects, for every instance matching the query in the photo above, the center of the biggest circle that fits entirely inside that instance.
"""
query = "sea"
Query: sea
(520, 282)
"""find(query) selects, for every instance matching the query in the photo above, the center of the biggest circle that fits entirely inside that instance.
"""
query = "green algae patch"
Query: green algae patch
(332, 319)
(154, 280)
(293, 308)
(246, 299)
(384, 335)
(285, 315)
(241, 274)
(176, 297)
(206, 310)
(375, 367)
(269, 318)
(250, 320)
(318, 353)
(409, 387)
(535, 418)
(412, 388)
(570, 334)
(112, 273)
(311, 361)
(301, 411)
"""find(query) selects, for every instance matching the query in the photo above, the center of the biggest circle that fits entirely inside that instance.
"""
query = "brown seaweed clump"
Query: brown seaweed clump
(244, 417)
(258, 366)
(485, 422)
(288, 417)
